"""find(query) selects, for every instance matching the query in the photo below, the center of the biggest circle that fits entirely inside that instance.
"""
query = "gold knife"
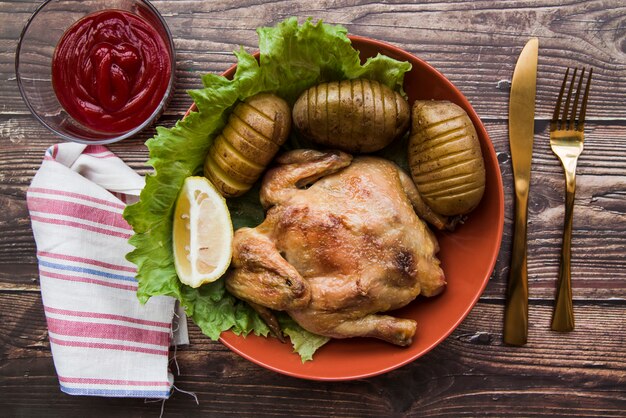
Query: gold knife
(521, 130)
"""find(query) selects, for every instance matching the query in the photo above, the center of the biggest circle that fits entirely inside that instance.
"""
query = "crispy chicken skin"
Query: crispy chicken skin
(335, 254)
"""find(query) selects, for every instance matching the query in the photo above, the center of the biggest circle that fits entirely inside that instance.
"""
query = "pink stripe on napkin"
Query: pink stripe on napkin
(109, 381)
(107, 331)
(78, 211)
(103, 341)
(79, 225)
(104, 346)
(108, 316)
(76, 195)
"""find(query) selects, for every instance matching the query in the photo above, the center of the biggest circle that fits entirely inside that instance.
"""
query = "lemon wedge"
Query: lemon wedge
(202, 233)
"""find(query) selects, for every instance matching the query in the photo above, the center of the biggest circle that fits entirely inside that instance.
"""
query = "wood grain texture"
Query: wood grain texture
(600, 208)
(471, 371)
(473, 43)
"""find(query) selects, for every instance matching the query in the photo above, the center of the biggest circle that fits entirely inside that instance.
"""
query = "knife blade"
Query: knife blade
(521, 130)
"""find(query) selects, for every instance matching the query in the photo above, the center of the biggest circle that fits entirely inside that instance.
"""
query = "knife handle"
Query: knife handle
(516, 310)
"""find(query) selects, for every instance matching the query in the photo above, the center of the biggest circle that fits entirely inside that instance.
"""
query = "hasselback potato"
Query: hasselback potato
(352, 115)
(445, 157)
(239, 154)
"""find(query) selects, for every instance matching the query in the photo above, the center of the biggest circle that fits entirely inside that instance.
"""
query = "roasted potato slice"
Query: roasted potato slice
(222, 181)
(445, 158)
(233, 162)
(255, 131)
(352, 115)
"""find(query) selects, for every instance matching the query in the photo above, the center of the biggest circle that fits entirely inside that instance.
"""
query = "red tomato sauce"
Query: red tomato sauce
(110, 71)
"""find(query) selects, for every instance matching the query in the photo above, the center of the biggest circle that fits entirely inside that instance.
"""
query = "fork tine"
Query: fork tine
(557, 108)
(567, 101)
(572, 118)
(583, 109)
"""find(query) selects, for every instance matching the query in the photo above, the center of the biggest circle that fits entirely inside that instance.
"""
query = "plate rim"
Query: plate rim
(227, 337)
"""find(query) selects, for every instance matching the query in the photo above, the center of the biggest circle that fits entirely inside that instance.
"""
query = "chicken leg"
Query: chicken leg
(397, 331)
(384, 327)
(262, 276)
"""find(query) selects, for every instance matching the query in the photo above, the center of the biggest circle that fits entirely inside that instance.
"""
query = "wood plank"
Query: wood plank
(458, 38)
(599, 221)
(579, 373)
(475, 44)
(599, 213)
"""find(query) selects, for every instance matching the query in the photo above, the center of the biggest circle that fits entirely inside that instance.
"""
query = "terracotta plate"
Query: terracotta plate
(468, 256)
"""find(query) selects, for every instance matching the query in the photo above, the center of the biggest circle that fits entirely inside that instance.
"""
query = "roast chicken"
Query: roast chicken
(341, 243)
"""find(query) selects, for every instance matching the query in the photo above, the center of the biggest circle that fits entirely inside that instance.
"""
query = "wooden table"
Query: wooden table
(474, 44)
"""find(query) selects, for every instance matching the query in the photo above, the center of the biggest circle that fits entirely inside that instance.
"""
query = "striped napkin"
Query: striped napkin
(103, 341)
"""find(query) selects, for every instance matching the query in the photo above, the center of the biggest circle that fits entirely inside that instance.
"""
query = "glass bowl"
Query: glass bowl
(33, 64)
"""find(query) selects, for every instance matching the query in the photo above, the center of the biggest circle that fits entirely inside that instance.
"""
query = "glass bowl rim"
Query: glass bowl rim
(105, 140)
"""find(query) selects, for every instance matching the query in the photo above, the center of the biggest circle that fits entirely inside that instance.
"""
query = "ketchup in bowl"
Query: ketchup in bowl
(110, 71)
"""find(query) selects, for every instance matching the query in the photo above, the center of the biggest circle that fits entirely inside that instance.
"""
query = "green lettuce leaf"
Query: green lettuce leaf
(304, 343)
(293, 57)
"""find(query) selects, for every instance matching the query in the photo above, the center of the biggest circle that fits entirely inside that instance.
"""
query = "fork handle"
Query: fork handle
(563, 317)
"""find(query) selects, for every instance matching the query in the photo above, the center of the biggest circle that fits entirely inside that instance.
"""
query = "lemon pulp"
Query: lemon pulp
(202, 233)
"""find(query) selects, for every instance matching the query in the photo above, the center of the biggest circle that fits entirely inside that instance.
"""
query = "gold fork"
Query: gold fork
(566, 140)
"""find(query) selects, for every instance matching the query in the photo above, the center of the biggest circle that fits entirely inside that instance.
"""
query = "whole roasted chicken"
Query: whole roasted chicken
(341, 243)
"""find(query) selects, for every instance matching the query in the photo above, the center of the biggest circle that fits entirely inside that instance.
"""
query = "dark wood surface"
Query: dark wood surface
(475, 44)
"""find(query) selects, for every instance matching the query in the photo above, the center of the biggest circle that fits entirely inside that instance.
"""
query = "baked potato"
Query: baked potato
(352, 115)
(256, 129)
(445, 158)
